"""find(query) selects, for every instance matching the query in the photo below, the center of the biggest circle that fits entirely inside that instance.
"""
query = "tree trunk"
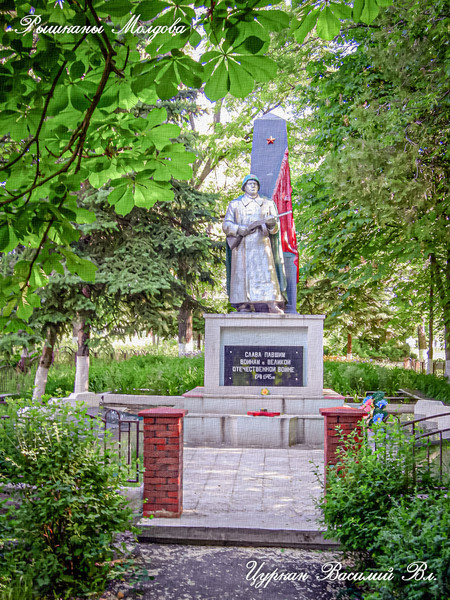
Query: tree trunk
(24, 363)
(422, 341)
(430, 329)
(349, 346)
(199, 341)
(185, 338)
(40, 381)
(442, 282)
(447, 352)
(82, 358)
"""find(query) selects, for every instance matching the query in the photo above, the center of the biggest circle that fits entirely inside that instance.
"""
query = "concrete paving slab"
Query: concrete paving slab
(246, 496)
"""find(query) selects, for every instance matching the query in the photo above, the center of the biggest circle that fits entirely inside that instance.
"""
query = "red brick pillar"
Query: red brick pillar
(347, 419)
(163, 461)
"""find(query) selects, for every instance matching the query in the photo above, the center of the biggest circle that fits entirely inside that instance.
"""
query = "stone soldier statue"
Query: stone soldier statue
(255, 269)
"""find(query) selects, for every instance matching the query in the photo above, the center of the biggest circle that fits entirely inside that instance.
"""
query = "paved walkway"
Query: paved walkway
(247, 495)
(280, 482)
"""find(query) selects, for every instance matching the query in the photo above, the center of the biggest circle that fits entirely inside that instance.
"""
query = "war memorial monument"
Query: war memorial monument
(263, 363)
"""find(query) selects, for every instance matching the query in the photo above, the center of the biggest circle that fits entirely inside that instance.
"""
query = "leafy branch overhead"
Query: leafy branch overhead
(326, 16)
(71, 77)
(67, 103)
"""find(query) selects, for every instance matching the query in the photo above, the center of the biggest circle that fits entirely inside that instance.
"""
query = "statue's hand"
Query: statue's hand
(271, 221)
(243, 231)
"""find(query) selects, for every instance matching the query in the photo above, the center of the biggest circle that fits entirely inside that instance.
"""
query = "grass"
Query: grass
(151, 374)
(430, 455)
(19, 589)
(168, 375)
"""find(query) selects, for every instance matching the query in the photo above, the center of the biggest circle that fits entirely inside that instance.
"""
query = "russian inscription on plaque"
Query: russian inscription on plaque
(280, 366)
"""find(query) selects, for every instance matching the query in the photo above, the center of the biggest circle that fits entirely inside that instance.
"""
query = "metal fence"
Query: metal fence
(429, 436)
(125, 434)
(438, 366)
(11, 382)
(400, 397)
(428, 439)
(65, 355)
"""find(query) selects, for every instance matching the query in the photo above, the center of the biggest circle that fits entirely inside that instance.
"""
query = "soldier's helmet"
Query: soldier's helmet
(248, 178)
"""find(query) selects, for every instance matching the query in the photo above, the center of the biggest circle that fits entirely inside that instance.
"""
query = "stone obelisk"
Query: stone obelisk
(270, 163)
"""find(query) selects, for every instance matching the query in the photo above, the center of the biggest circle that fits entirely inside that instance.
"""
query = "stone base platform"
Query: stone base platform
(200, 401)
(243, 431)
(223, 421)
(213, 531)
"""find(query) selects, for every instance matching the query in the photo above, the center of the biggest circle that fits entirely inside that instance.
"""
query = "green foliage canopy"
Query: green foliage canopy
(67, 98)
(376, 211)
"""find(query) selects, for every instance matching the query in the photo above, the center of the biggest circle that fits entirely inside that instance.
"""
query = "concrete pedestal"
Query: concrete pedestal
(218, 411)
(255, 330)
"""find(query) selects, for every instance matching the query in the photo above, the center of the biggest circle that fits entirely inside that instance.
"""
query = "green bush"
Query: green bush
(395, 351)
(416, 531)
(362, 487)
(390, 514)
(68, 510)
(432, 386)
(355, 378)
(391, 350)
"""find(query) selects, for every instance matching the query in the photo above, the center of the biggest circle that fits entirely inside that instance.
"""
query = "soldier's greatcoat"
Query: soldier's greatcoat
(257, 262)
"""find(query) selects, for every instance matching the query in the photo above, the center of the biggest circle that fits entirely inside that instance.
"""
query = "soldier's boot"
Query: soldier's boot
(274, 308)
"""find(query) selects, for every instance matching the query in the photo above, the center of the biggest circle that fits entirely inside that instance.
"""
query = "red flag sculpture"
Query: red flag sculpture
(282, 196)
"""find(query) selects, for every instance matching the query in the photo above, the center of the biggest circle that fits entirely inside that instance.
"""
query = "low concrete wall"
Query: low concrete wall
(140, 402)
(240, 431)
(429, 408)
(126, 401)
(312, 431)
(90, 398)
(244, 431)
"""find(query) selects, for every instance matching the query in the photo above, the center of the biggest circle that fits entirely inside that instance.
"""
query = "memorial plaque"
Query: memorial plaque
(280, 366)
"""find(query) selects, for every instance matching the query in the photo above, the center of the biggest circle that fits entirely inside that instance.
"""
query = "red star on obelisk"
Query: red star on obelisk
(270, 140)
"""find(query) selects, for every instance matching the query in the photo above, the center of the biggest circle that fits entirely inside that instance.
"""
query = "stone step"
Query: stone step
(235, 529)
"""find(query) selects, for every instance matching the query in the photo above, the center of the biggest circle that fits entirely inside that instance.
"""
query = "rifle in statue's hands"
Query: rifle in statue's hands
(234, 241)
